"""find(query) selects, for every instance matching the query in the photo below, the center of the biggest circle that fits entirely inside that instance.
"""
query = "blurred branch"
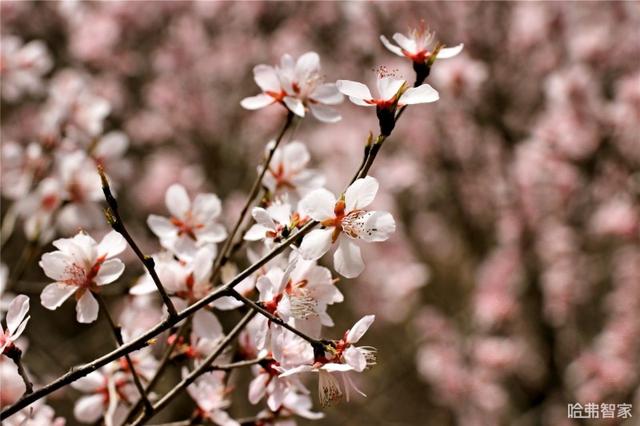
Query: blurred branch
(113, 216)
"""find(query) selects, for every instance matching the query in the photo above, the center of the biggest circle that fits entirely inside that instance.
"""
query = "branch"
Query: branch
(233, 365)
(201, 369)
(117, 335)
(15, 354)
(113, 216)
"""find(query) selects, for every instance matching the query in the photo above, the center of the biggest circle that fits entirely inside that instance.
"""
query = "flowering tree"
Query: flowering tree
(216, 236)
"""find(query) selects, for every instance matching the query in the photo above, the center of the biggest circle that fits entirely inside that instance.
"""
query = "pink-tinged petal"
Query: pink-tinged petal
(109, 271)
(211, 233)
(263, 218)
(316, 243)
(406, 43)
(144, 286)
(388, 87)
(257, 102)
(327, 94)
(206, 325)
(265, 289)
(87, 308)
(257, 232)
(419, 95)
(333, 367)
(295, 105)
(55, 294)
(89, 409)
(112, 244)
(392, 47)
(307, 64)
(18, 309)
(266, 78)
(360, 193)
(55, 264)
(355, 359)
(258, 387)
(227, 303)
(202, 263)
(280, 212)
(347, 259)
(297, 370)
(18, 332)
(450, 52)
(89, 383)
(206, 207)
(325, 113)
(177, 201)
(360, 102)
(378, 227)
(359, 328)
(318, 204)
(161, 226)
(295, 156)
(354, 89)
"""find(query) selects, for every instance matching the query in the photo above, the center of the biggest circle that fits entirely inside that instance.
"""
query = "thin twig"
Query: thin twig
(117, 335)
(257, 184)
(234, 365)
(116, 222)
(15, 354)
(201, 369)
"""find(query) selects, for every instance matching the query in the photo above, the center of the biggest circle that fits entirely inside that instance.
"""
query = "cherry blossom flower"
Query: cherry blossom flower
(191, 226)
(298, 85)
(81, 266)
(21, 167)
(418, 45)
(347, 217)
(392, 92)
(16, 319)
(39, 207)
(37, 414)
(23, 66)
(267, 382)
(288, 171)
(340, 358)
(210, 394)
(105, 391)
(273, 224)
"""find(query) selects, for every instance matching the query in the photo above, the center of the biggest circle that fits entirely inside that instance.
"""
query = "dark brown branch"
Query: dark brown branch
(15, 354)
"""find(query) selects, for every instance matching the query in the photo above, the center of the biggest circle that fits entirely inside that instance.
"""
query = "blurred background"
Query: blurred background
(512, 286)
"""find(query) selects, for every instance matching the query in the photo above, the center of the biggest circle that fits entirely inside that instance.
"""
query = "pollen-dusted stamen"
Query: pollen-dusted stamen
(370, 355)
(354, 223)
(382, 72)
(303, 305)
(329, 389)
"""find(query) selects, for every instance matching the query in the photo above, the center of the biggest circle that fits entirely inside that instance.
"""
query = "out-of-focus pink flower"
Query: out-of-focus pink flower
(22, 67)
(392, 91)
(419, 45)
(16, 320)
(210, 393)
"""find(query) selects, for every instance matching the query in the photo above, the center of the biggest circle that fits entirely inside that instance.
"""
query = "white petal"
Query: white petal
(316, 243)
(89, 409)
(18, 309)
(257, 232)
(325, 114)
(307, 64)
(297, 370)
(333, 367)
(55, 294)
(354, 89)
(263, 218)
(211, 233)
(55, 264)
(388, 87)
(406, 43)
(295, 105)
(177, 201)
(360, 102)
(112, 244)
(378, 227)
(347, 259)
(318, 204)
(161, 226)
(327, 94)
(257, 101)
(450, 52)
(355, 359)
(89, 383)
(392, 47)
(267, 78)
(206, 325)
(360, 193)
(109, 271)
(419, 95)
(87, 308)
(258, 387)
(359, 328)
(206, 207)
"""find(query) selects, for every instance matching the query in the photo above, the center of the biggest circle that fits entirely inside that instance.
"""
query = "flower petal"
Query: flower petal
(360, 193)
(112, 244)
(307, 64)
(257, 101)
(267, 78)
(347, 259)
(87, 308)
(161, 226)
(325, 114)
(258, 387)
(318, 204)
(450, 52)
(206, 325)
(327, 94)
(404, 42)
(206, 207)
(388, 87)
(359, 328)
(18, 309)
(355, 359)
(354, 89)
(295, 105)
(55, 294)
(257, 232)
(177, 201)
(419, 95)
(109, 271)
(54, 264)
(89, 409)
(392, 47)
(263, 218)
(316, 243)
(378, 227)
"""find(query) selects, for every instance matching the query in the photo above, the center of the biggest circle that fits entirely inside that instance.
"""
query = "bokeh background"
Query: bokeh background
(512, 286)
